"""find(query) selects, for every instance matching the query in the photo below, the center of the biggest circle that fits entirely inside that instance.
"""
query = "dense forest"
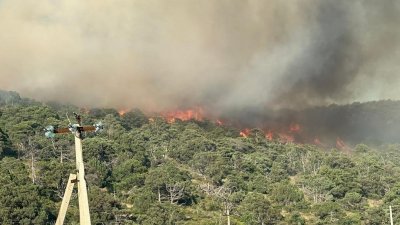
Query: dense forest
(143, 170)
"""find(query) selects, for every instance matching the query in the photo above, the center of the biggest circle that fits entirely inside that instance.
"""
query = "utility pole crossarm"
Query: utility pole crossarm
(50, 131)
(78, 128)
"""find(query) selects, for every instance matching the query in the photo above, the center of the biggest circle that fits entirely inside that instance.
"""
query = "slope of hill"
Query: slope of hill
(149, 171)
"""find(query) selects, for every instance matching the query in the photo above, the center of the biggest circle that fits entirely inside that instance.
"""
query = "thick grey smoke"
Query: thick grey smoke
(220, 54)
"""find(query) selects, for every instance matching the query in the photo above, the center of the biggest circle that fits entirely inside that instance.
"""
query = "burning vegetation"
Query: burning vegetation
(330, 126)
(184, 115)
(279, 132)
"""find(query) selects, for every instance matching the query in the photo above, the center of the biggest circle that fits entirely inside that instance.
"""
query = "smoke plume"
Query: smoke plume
(224, 55)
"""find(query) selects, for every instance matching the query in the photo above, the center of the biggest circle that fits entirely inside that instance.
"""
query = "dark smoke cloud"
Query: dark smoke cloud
(336, 65)
(225, 55)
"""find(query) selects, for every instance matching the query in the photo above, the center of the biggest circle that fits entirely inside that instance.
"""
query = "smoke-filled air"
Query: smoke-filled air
(223, 55)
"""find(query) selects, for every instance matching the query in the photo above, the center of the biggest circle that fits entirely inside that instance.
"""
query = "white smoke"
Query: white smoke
(221, 54)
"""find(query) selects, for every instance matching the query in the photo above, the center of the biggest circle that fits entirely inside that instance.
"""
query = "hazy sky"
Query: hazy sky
(221, 54)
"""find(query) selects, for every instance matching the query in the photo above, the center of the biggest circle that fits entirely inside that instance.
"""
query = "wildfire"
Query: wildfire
(269, 135)
(294, 128)
(282, 135)
(122, 112)
(340, 144)
(219, 122)
(184, 115)
(291, 132)
(245, 133)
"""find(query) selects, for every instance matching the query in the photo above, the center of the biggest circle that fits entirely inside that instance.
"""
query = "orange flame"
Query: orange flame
(245, 133)
(184, 115)
(269, 135)
(122, 112)
(284, 133)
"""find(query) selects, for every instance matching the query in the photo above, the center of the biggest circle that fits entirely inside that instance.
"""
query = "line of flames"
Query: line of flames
(286, 136)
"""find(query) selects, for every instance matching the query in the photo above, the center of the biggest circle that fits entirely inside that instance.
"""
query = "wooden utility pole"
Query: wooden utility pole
(79, 177)
(84, 214)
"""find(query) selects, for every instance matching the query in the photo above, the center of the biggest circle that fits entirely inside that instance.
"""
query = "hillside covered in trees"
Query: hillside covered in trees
(144, 170)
